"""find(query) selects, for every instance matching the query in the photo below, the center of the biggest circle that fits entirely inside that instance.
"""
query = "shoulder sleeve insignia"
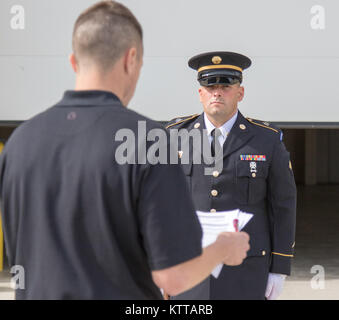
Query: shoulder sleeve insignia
(180, 120)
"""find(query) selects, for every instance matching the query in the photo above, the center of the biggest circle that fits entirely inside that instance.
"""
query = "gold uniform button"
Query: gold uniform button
(254, 175)
(263, 253)
(215, 174)
(214, 193)
(213, 210)
(242, 126)
(197, 125)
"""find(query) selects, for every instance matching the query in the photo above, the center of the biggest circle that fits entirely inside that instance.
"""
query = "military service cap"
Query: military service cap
(219, 67)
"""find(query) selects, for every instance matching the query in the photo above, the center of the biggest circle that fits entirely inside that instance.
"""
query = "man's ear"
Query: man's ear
(200, 90)
(73, 62)
(241, 93)
(130, 60)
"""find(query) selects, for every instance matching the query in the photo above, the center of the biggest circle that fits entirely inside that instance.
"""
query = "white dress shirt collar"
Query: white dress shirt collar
(225, 128)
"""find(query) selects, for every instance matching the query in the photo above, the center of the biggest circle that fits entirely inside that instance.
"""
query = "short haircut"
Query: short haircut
(103, 32)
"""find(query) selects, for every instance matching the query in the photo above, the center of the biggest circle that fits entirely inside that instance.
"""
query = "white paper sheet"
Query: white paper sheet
(213, 223)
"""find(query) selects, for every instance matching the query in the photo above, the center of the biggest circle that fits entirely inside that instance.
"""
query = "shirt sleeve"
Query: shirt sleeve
(282, 210)
(170, 229)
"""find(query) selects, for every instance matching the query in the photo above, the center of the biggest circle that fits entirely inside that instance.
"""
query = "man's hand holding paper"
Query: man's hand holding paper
(221, 224)
(237, 247)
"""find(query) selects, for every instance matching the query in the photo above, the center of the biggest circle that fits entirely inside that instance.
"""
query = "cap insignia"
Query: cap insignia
(216, 60)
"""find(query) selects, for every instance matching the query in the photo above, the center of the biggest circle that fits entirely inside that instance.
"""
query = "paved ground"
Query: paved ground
(6, 292)
(317, 246)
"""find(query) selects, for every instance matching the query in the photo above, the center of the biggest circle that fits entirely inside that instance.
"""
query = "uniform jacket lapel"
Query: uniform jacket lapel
(239, 135)
(193, 151)
(201, 127)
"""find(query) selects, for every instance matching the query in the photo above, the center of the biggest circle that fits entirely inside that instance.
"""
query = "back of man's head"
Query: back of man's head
(103, 32)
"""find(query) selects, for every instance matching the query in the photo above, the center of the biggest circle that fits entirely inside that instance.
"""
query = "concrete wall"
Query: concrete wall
(290, 42)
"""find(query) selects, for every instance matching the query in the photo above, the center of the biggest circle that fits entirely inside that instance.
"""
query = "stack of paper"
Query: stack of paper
(213, 223)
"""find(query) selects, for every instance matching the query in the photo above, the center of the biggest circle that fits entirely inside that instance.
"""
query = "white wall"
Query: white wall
(293, 78)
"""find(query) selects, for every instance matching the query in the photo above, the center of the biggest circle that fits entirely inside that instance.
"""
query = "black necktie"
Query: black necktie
(215, 145)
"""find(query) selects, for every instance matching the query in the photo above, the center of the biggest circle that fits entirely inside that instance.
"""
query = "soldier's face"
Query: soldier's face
(221, 101)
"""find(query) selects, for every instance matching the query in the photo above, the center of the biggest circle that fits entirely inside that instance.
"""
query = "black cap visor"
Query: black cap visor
(213, 81)
(219, 77)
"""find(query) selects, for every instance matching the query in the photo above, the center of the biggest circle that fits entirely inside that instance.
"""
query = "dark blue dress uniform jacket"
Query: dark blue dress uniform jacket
(269, 194)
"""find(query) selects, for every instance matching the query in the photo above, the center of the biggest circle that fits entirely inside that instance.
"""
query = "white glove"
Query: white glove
(275, 285)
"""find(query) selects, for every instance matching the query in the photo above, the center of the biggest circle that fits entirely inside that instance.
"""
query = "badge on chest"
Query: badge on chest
(253, 166)
(253, 159)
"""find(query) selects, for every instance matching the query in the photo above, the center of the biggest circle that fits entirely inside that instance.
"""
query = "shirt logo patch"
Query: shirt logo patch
(252, 157)
(71, 116)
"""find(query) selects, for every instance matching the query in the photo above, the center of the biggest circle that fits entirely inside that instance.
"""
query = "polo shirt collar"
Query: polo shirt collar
(88, 97)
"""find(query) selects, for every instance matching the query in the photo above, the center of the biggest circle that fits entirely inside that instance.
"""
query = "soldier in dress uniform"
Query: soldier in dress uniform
(256, 177)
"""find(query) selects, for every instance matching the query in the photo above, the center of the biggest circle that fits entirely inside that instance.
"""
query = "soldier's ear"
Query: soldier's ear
(241, 93)
(200, 92)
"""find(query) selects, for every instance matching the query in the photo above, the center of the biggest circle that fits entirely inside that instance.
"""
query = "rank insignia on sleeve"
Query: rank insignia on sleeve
(252, 157)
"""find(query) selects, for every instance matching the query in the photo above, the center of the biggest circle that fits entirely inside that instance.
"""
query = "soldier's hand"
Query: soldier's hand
(235, 246)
